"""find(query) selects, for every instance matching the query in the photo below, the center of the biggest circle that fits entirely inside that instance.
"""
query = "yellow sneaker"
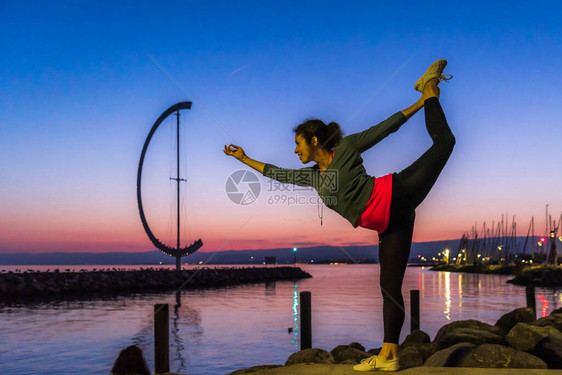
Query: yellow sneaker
(435, 70)
(375, 363)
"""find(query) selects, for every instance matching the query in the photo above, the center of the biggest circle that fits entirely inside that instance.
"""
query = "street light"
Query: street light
(295, 255)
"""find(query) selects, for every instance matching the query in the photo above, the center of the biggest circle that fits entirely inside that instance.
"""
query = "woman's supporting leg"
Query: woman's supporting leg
(410, 187)
(394, 250)
(417, 180)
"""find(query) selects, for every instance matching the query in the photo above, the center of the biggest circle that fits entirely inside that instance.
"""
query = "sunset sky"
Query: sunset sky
(82, 83)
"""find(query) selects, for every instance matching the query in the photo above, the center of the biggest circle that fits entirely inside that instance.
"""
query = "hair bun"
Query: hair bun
(328, 135)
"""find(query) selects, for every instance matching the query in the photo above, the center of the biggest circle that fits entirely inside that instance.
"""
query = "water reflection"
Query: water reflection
(178, 343)
(270, 288)
(460, 281)
(447, 312)
(143, 338)
(185, 325)
(295, 315)
(421, 283)
(212, 331)
(544, 305)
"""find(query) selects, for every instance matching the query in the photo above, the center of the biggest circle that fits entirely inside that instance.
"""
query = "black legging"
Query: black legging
(409, 189)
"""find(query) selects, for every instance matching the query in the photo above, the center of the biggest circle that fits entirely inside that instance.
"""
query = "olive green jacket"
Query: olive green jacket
(344, 186)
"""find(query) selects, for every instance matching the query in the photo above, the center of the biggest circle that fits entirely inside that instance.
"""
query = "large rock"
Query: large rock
(498, 356)
(557, 311)
(549, 350)
(509, 320)
(525, 336)
(473, 324)
(416, 354)
(450, 357)
(310, 356)
(472, 335)
(410, 357)
(553, 320)
(356, 345)
(416, 337)
(337, 350)
(426, 350)
(350, 353)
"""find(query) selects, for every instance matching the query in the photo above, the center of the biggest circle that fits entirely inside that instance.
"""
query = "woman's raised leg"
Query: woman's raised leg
(416, 181)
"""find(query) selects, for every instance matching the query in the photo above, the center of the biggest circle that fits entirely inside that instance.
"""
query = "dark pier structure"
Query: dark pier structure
(18, 285)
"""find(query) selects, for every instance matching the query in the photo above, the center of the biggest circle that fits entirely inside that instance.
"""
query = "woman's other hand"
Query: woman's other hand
(235, 151)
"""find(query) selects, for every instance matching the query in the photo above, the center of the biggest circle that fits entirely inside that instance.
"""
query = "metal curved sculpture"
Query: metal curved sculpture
(177, 252)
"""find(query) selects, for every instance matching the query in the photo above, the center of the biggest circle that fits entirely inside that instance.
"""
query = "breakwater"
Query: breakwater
(481, 268)
(540, 276)
(54, 284)
(543, 277)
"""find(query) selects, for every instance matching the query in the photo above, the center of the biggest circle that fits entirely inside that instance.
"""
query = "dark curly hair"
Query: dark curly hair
(328, 135)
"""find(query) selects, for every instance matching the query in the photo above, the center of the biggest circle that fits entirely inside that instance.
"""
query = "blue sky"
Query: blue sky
(82, 82)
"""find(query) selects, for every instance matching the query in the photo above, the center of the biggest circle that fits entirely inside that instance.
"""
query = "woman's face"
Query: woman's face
(304, 150)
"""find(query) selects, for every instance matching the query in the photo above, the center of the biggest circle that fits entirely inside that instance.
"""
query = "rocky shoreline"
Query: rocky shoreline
(517, 340)
(541, 276)
(495, 269)
(549, 277)
(18, 285)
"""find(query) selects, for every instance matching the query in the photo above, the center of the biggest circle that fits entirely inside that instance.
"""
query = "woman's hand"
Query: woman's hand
(238, 153)
(235, 151)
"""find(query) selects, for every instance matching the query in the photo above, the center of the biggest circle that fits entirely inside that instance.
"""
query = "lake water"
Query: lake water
(220, 330)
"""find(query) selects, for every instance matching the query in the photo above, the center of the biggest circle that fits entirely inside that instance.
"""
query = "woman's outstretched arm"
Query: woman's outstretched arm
(301, 177)
(411, 110)
(238, 153)
(370, 137)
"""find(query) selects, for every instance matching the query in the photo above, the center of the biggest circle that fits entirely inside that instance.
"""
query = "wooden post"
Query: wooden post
(306, 330)
(161, 338)
(531, 302)
(414, 310)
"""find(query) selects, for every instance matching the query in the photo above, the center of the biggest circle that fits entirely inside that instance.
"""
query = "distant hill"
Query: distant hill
(319, 254)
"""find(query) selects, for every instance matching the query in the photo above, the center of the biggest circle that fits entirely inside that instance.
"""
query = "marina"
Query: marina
(499, 243)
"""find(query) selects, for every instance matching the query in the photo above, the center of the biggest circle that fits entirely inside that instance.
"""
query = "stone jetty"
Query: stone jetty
(516, 341)
(543, 277)
(103, 282)
(540, 276)
(496, 269)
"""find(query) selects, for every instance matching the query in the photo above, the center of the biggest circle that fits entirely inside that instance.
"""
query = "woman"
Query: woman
(386, 204)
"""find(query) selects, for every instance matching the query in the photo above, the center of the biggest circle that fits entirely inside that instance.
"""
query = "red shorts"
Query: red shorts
(377, 211)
